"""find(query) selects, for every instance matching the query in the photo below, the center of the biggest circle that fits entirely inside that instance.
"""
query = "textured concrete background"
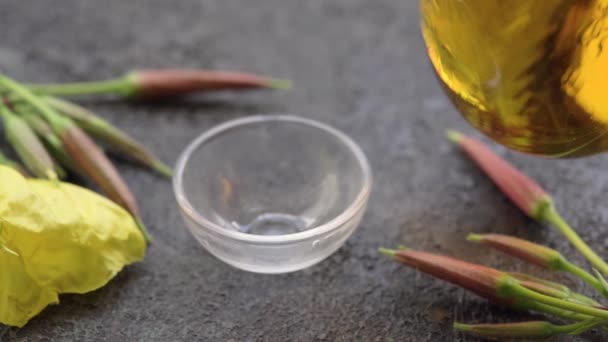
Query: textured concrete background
(358, 65)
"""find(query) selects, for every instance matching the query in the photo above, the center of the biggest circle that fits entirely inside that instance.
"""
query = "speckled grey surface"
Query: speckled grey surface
(358, 65)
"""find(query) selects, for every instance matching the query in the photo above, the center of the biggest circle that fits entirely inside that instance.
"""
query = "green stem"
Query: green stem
(557, 312)
(5, 112)
(585, 276)
(518, 290)
(550, 215)
(582, 299)
(143, 229)
(111, 136)
(388, 252)
(118, 86)
(57, 122)
(577, 328)
(551, 310)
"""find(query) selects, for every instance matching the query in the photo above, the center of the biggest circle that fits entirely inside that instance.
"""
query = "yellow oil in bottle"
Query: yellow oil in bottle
(531, 74)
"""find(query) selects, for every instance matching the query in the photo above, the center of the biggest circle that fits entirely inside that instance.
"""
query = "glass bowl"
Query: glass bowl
(272, 194)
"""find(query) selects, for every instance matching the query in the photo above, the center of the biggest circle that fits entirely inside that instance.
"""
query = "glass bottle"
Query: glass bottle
(531, 74)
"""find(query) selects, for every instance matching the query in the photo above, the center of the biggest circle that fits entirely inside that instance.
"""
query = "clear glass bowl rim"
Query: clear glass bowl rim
(353, 208)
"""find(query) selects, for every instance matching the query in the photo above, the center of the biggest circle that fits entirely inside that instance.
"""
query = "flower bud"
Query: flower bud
(172, 82)
(93, 162)
(521, 249)
(481, 280)
(108, 135)
(52, 142)
(86, 154)
(521, 189)
(27, 145)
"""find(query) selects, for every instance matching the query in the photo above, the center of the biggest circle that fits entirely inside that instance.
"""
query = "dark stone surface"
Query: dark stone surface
(359, 65)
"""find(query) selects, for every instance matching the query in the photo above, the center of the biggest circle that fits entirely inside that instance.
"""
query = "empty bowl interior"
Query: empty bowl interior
(272, 175)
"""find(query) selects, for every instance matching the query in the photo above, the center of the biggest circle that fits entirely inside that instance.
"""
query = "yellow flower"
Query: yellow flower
(57, 238)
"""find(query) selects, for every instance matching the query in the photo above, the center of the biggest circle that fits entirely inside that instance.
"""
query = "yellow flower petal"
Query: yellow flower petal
(68, 240)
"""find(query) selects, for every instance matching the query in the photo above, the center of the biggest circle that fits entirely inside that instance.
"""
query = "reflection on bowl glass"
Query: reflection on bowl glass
(272, 194)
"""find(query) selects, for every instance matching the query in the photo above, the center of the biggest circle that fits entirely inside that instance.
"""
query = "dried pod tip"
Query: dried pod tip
(163, 169)
(388, 252)
(474, 237)
(279, 84)
(177, 82)
(454, 136)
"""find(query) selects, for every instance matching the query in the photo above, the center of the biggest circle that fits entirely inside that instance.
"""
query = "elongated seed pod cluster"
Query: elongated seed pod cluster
(514, 289)
(50, 134)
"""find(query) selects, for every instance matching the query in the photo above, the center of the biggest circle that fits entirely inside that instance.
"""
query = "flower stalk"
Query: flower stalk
(536, 254)
(107, 134)
(522, 249)
(558, 290)
(27, 145)
(524, 192)
(511, 287)
(481, 280)
(51, 140)
(163, 83)
(82, 149)
(517, 290)
(513, 290)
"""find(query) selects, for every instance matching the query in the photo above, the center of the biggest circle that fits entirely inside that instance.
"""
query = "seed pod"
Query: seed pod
(526, 194)
(521, 189)
(538, 255)
(481, 280)
(553, 289)
(521, 249)
(163, 83)
(86, 155)
(172, 82)
(52, 142)
(522, 277)
(109, 135)
(93, 162)
(25, 142)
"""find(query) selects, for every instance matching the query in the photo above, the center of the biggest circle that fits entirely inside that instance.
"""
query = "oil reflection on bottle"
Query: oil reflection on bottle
(530, 74)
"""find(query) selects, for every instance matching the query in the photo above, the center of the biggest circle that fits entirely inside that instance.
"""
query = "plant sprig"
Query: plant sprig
(516, 290)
